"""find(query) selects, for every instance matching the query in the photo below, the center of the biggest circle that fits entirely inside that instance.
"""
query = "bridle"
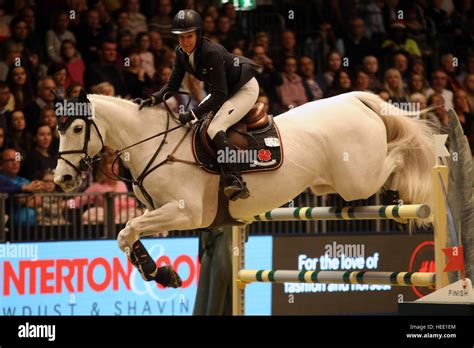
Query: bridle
(87, 161)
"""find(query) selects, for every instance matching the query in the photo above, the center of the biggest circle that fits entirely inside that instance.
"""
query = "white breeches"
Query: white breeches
(235, 108)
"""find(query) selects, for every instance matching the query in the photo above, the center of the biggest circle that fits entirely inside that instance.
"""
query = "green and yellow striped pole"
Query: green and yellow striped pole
(370, 212)
(339, 277)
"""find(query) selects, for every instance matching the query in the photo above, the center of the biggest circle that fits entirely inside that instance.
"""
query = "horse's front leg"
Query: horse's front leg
(170, 216)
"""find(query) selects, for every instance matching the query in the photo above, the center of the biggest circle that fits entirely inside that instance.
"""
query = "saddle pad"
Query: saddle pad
(264, 153)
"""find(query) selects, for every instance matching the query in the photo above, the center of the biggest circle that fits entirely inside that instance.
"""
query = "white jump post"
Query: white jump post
(402, 213)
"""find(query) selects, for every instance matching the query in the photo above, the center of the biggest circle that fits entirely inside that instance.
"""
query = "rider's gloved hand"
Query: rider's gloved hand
(144, 102)
(185, 117)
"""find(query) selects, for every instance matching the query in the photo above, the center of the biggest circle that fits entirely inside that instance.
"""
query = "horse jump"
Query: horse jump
(438, 280)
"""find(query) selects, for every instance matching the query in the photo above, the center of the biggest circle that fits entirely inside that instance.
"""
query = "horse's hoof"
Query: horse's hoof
(167, 277)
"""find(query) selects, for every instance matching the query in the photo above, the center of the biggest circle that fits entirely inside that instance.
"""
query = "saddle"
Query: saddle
(255, 136)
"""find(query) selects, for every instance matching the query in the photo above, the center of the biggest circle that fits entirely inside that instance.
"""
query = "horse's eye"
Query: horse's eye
(77, 129)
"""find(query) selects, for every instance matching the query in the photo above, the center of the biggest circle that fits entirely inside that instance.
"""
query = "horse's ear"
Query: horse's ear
(83, 96)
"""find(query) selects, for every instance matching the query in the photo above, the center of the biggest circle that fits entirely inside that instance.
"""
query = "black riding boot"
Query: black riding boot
(235, 187)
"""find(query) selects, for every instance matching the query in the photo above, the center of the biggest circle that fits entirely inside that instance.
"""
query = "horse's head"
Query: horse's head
(79, 140)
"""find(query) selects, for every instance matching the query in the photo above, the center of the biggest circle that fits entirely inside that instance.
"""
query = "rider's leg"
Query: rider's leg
(229, 114)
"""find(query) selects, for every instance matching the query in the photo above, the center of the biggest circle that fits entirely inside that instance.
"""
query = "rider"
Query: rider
(229, 79)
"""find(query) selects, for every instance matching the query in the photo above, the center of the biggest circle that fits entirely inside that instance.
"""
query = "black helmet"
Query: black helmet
(186, 21)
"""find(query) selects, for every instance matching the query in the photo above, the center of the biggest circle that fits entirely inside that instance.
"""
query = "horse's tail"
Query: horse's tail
(410, 142)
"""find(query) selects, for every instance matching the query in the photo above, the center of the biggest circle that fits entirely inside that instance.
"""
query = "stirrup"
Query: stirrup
(234, 192)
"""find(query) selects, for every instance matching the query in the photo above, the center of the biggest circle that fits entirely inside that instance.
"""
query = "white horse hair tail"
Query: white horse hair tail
(410, 143)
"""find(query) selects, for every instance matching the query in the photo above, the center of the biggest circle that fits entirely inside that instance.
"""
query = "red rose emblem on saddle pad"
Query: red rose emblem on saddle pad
(264, 155)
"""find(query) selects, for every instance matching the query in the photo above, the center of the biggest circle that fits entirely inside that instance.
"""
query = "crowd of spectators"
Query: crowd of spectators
(414, 53)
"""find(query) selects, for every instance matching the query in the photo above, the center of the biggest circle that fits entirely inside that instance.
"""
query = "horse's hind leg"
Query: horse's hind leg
(168, 217)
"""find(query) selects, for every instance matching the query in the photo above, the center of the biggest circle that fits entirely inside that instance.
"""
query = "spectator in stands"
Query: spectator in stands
(355, 45)
(267, 76)
(106, 70)
(400, 62)
(448, 65)
(39, 158)
(57, 35)
(399, 41)
(158, 48)
(103, 184)
(125, 43)
(370, 65)
(163, 20)
(439, 16)
(73, 61)
(122, 21)
(287, 49)
(419, 103)
(461, 106)
(136, 20)
(18, 136)
(20, 86)
(60, 77)
(74, 90)
(439, 111)
(312, 88)
(419, 27)
(45, 98)
(208, 26)
(105, 88)
(439, 82)
(146, 57)
(229, 11)
(12, 55)
(49, 209)
(213, 11)
(20, 35)
(334, 64)
(27, 13)
(262, 39)
(5, 96)
(11, 182)
(416, 83)
(48, 116)
(371, 12)
(418, 67)
(90, 36)
(292, 92)
(394, 85)
(227, 36)
(468, 85)
(361, 81)
(135, 77)
(340, 84)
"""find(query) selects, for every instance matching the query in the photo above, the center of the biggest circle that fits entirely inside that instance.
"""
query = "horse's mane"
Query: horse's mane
(117, 101)
(110, 99)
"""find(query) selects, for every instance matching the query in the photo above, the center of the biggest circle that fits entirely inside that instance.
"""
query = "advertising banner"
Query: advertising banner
(95, 278)
(383, 253)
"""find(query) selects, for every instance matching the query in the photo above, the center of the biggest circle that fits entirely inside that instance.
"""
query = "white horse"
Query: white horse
(352, 144)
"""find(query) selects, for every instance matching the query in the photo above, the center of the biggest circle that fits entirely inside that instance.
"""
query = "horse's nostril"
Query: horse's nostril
(67, 178)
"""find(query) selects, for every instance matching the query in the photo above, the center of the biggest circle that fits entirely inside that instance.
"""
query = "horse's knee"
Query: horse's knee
(126, 238)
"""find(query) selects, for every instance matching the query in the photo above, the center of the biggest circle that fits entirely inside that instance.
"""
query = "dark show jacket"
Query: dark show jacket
(222, 72)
